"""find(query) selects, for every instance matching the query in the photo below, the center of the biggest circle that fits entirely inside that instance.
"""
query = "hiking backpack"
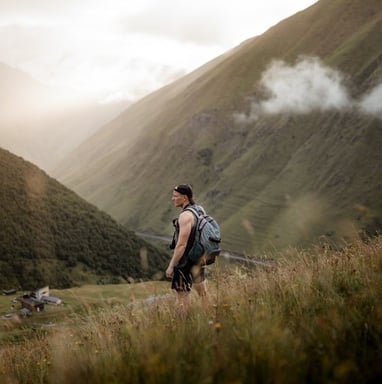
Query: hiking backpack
(206, 235)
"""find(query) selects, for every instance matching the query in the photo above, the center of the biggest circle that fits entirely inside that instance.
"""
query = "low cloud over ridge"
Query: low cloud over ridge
(372, 102)
(307, 86)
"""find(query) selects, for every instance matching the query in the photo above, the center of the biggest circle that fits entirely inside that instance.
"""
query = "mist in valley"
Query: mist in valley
(43, 124)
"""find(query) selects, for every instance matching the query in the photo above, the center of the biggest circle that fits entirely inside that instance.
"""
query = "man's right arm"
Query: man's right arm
(185, 226)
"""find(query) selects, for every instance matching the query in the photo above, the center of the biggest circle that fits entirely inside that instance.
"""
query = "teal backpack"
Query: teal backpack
(206, 235)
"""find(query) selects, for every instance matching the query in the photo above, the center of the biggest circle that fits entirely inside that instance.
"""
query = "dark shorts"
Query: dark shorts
(184, 276)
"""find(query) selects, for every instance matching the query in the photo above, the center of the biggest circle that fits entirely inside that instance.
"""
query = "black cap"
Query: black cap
(184, 189)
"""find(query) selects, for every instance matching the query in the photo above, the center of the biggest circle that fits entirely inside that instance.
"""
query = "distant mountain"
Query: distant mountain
(51, 236)
(280, 137)
(43, 124)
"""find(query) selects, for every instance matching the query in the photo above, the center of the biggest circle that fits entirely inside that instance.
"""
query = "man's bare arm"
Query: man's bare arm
(186, 220)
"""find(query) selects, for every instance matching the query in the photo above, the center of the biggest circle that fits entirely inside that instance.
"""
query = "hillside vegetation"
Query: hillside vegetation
(51, 236)
(281, 153)
(315, 317)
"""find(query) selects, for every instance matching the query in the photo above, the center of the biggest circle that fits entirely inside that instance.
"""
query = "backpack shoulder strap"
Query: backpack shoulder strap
(193, 210)
(196, 210)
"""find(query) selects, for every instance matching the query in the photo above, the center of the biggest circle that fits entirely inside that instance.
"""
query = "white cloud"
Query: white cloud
(119, 48)
(175, 20)
(88, 52)
(371, 103)
(306, 86)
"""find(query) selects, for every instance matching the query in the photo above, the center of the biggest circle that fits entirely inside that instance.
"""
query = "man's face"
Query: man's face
(178, 199)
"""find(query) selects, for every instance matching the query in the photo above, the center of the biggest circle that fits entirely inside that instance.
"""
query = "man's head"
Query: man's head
(182, 195)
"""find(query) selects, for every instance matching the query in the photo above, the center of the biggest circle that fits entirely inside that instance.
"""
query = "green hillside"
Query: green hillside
(281, 179)
(50, 236)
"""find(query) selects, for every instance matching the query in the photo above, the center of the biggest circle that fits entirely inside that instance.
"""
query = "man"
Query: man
(183, 272)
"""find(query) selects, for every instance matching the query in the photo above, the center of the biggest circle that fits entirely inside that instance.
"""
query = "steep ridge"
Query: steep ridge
(278, 179)
(49, 235)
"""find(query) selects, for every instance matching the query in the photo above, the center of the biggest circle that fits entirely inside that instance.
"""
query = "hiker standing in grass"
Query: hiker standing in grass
(184, 273)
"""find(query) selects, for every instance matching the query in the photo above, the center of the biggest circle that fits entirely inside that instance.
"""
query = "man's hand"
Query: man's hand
(169, 272)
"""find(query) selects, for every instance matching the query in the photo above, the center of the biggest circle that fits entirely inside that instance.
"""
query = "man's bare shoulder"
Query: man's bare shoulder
(186, 216)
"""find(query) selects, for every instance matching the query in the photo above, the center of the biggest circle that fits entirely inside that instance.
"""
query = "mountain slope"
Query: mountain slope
(49, 235)
(281, 177)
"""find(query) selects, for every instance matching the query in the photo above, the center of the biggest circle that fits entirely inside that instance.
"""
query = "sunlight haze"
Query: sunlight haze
(118, 50)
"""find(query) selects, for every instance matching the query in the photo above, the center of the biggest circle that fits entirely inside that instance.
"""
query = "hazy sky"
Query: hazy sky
(124, 49)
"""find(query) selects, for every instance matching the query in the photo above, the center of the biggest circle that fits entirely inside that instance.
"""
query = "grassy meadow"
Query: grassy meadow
(312, 317)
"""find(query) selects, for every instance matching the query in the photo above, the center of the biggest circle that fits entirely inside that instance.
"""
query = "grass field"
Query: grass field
(75, 301)
(314, 317)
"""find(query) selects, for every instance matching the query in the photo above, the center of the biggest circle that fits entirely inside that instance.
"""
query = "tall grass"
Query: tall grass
(314, 317)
